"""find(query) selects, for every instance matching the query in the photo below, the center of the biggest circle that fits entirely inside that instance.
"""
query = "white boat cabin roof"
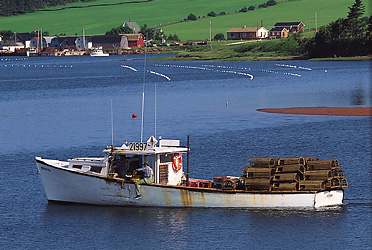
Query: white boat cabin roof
(147, 148)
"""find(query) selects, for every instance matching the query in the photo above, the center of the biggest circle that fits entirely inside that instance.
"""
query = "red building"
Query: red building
(135, 40)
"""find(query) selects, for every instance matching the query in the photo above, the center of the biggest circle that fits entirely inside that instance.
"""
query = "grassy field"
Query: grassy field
(165, 13)
(327, 11)
(98, 20)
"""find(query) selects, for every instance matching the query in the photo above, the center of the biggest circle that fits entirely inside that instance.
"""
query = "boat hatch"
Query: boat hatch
(89, 165)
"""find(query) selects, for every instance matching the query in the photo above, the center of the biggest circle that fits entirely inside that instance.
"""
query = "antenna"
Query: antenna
(84, 44)
(143, 95)
(155, 109)
(112, 125)
(41, 33)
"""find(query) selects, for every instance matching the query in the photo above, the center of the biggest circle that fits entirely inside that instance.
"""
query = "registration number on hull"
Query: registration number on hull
(137, 146)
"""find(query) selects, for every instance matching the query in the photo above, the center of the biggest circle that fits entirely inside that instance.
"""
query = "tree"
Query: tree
(251, 7)
(176, 38)
(191, 17)
(218, 37)
(35, 33)
(262, 5)
(356, 11)
(244, 9)
(15, 7)
(173, 38)
(6, 34)
(271, 3)
(212, 14)
(119, 30)
(149, 33)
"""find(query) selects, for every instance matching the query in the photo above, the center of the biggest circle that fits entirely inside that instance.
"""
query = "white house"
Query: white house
(245, 33)
(262, 33)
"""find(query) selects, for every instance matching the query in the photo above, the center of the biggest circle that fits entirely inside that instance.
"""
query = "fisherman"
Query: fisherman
(148, 177)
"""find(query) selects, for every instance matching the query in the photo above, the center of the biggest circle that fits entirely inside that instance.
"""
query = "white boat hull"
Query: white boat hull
(64, 185)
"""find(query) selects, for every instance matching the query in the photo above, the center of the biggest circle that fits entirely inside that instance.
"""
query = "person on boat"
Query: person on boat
(148, 177)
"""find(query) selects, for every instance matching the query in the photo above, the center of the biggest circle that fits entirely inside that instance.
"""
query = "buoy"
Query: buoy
(325, 71)
(134, 116)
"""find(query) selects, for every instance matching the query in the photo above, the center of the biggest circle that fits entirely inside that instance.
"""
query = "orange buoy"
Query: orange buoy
(134, 116)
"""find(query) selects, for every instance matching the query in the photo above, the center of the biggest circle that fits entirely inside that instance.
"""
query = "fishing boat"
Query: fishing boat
(98, 52)
(32, 52)
(264, 183)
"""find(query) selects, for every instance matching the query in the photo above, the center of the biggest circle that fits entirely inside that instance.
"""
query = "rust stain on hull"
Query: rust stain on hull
(186, 198)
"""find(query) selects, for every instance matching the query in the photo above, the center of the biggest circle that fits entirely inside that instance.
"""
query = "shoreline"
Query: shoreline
(337, 111)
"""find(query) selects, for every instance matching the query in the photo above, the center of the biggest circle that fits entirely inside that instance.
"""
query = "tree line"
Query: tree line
(351, 36)
(15, 7)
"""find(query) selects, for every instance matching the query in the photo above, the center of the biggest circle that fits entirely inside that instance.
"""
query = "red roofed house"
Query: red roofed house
(291, 27)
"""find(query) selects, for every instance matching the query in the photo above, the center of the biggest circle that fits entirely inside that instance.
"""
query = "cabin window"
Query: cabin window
(166, 158)
(77, 166)
(95, 169)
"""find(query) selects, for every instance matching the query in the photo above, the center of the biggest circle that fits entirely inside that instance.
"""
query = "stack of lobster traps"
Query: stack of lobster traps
(292, 174)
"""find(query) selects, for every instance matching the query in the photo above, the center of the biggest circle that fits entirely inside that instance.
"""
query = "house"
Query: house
(17, 42)
(22, 39)
(291, 27)
(133, 25)
(104, 42)
(247, 33)
(11, 45)
(38, 42)
(67, 42)
(278, 33)
(49, 40)
(135, 40)
(55, 43)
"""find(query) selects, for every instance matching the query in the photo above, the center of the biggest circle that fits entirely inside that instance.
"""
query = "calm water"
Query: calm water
(60, 108)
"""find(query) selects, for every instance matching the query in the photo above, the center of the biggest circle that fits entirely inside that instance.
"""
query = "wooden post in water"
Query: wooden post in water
(188, 159)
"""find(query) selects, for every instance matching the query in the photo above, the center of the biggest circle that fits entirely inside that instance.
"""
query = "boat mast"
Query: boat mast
(112, 125)
(41, 37)
(84, 38)
(37, 41)
(143, 97)
(155, 110)
(188, 160)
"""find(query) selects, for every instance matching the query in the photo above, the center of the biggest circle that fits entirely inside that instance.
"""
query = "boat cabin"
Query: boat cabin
(164, 156)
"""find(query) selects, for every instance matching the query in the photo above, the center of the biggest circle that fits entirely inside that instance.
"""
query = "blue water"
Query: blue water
(60, 108)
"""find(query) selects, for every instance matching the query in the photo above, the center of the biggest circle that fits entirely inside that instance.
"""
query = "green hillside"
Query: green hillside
(302, 10)
(99, 19)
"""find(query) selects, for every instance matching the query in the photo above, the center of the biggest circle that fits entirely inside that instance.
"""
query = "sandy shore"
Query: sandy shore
(352, 111)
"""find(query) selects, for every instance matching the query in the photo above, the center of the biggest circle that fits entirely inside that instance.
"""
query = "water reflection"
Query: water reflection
(358, 96)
